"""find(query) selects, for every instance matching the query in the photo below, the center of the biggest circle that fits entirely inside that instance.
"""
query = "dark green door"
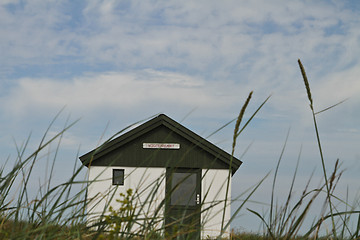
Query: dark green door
(183, 207)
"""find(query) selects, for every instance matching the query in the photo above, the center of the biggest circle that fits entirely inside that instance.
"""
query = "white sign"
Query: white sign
(162, 145)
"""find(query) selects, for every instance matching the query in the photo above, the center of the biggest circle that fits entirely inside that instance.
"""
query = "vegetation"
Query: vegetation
(58, 212)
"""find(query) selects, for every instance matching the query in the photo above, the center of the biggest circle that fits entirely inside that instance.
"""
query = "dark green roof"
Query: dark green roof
(195, 151)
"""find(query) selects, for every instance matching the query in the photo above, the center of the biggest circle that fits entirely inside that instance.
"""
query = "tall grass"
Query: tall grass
(307, 86)
(285, 222)
(61, 211)
(24, 214)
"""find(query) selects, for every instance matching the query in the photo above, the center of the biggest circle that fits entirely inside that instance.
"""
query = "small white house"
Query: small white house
(179, 180)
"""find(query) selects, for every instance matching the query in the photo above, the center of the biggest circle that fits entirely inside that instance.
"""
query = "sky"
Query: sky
(112, 63)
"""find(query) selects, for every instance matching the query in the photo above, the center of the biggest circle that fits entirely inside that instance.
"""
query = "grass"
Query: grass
(59, 212)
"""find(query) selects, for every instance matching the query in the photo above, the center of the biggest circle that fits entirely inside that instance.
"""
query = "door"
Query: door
(183, 206)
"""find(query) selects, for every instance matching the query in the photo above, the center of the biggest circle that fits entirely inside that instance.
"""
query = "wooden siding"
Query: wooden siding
(132, 154)
(194, 152)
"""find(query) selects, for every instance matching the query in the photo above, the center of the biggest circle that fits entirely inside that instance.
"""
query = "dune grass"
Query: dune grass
(59, 212)
(285, 222)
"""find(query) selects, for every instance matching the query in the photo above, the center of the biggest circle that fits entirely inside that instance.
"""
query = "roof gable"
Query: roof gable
(194, 152)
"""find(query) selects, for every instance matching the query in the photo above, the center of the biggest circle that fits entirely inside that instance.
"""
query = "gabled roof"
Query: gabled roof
(222, 157)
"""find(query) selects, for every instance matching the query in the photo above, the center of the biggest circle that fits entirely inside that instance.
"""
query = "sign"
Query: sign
(162, 145)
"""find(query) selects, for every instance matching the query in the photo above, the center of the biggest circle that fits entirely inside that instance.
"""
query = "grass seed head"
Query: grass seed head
(238, 121)
(307, 86)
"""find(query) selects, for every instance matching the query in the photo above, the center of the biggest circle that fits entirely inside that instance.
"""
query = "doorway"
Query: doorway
(183, 203)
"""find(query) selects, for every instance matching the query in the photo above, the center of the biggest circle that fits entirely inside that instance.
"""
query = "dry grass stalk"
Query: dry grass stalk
(238, 121)
(307, 86)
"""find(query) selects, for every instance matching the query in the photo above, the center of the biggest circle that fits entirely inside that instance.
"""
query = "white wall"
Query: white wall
(214, 182)
(141, 180)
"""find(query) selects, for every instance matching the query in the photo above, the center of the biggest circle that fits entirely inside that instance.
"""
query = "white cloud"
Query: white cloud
(115, 90)
(193, 36)
(32, 34)
(5, 2)
(206, 48)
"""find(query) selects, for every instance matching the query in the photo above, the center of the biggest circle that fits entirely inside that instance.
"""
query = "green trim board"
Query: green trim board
(161, 142)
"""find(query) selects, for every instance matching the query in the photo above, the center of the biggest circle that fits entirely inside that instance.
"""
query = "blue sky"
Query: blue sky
(112, 63)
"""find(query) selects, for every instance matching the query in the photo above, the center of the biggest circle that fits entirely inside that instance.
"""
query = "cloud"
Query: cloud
(116, 90)
(5, 2)
(32, 33)
(218, 40)
(177, 56)
(110, 95)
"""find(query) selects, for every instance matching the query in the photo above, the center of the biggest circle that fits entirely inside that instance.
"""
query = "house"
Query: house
(179, 179)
